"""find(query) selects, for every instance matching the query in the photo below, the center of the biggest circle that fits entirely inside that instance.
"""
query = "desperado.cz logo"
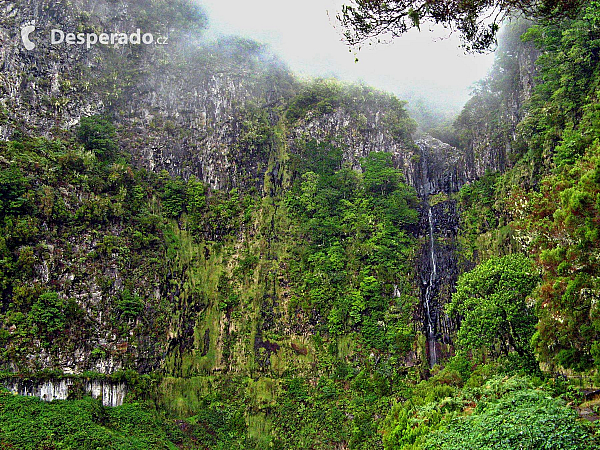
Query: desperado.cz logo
(60, 37)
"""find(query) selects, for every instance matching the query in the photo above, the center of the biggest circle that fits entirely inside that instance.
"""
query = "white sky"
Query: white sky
(306, 35)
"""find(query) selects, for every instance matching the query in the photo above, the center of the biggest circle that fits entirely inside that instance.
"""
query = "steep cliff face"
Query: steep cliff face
(179, 106)
(487, 125)
(111, 394)
(218, 296)
(439, 171)
(487, 129)
(213, 110)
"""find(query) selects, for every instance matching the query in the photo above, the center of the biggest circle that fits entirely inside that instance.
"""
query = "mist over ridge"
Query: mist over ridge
(426, 67)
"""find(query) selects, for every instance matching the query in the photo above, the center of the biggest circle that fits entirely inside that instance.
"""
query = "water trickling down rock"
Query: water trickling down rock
(111, 393)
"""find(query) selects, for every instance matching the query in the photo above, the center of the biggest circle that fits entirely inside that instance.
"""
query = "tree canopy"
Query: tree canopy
(477, 21)
(491, 299)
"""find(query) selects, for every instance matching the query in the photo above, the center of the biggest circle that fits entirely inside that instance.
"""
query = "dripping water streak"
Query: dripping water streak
(428, 297)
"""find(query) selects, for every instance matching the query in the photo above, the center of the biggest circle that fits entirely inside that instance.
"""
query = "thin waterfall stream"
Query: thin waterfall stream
(428, 297)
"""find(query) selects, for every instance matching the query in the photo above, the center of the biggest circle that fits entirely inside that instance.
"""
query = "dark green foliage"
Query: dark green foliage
(98, 412)
(217, 280)
(356, 228)
(13, 186)
(569, 71)
(476, 21)
(549, 200)
(47, 316)
(92, 213)
(563, 129)
(129, 305)
(323, 97)
(331, 413)
(491, 302)
(98, 135)
(225, 213)
(502, 412)
(196, 199)
(525, 419)
(485, 114)
(380, 176)
(477, 201)
(174, 196)
(28, 423)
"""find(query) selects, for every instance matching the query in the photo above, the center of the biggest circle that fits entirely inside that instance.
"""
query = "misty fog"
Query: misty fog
(427, 68)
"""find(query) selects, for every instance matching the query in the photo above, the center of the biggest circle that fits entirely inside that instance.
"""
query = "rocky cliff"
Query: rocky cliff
(487, 125)
(229, 114)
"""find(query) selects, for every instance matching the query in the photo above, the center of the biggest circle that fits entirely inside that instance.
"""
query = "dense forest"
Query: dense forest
(242, 259)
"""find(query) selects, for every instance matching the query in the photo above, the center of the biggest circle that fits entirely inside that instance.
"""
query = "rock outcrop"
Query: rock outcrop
(111, 393)
(197, 108)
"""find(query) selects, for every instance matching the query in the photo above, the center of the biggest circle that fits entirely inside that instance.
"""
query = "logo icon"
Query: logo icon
(26, 30)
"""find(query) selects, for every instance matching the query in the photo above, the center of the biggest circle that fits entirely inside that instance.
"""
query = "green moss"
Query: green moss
(438, 198)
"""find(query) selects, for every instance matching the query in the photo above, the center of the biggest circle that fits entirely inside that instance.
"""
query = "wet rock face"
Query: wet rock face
(438, 172)
(111, 393)
(439, 248)
(178, 107)
(437, 168)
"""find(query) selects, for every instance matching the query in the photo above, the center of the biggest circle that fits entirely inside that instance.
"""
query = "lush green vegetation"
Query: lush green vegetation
(491, 302)
(355, 245)
(29, 423)
(565, 209)
(546, 204)
(282, 311)
(487, 412)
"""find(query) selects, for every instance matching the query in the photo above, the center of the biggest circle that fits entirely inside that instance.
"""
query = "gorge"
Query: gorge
(201, 250)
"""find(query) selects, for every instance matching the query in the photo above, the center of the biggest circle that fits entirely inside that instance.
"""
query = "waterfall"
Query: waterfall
(438, 172)
(429, 295)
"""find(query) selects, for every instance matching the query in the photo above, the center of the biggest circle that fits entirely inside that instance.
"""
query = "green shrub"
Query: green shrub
(98, 135)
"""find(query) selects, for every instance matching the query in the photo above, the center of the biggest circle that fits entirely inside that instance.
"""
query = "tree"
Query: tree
(525, 418)
(98, 135)
(47, 316)
(477, 21)
(173, 196)
(380, 176)
(130, 305)
(491, 300)
(13, 186)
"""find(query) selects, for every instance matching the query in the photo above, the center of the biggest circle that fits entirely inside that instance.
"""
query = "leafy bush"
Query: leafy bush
(47, 316)
(491, 301)
(525, 419)
(98, 135)
(129, 305)
(503, 413)
(13, 186)
(28, 423)
(173, 196)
